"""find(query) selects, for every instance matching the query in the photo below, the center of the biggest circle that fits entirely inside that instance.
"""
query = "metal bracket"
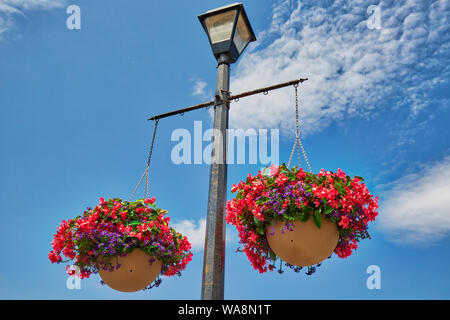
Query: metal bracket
(222, 97)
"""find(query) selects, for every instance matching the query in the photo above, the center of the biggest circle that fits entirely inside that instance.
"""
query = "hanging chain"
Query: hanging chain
(145, 174)
(147, 182)
(298, 142)
(292, 153)
(137, 186)
(304, 154)
(296, 127)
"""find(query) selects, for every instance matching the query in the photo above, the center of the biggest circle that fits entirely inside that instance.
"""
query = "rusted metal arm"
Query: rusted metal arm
(231, 99)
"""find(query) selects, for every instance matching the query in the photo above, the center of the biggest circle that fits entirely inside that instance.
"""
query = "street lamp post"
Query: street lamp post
(229, 32)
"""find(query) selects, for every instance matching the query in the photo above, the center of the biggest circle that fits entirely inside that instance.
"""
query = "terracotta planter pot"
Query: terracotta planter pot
(134, 274)
(306, 245)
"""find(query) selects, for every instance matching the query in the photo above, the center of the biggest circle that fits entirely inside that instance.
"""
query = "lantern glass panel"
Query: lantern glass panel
(220, 26)
(242, 34)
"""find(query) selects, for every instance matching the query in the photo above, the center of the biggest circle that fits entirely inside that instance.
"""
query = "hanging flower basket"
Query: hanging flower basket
(300, 217)
(130, 244)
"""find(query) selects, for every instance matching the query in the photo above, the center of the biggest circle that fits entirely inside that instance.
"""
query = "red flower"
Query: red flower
(151, 201)
(344, 222)
(54, 257)
(281, 179)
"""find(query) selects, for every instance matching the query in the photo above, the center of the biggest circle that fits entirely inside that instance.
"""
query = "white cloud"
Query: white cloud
(32, 4)
(199, 88)
(416, 209)
(9, 9)
(352, 69)
(195, 232)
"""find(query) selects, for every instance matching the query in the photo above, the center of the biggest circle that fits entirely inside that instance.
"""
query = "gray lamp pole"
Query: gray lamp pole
(214, 256)
(229, 33)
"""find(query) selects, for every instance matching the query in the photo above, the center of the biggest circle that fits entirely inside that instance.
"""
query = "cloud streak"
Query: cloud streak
(353, 71)
(416, 209)
(10, 9)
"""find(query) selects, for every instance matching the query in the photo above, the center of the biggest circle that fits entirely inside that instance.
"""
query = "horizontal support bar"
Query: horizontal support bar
(233, 97)
(181, 111)
(266, 89)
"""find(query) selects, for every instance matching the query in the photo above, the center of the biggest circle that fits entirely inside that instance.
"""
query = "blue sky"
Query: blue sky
(73, 109)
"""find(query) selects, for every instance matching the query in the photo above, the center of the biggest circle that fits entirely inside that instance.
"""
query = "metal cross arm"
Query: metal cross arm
(231, 99)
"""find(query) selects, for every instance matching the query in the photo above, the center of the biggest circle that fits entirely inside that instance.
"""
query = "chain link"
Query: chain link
(292, 154)
(298, 142)
(137, 186)
(304, 154)
(146, 171)
(296, 128)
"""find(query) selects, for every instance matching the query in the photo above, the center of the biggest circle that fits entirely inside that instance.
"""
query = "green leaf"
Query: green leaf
(340, 188)
(328, 209)
(134, 223)
(305, 217)
(260, 230)
(272, 255)
(317, 218)
(305, 213)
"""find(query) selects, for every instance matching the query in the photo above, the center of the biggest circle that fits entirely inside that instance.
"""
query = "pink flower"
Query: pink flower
(273, 170)
(340, 174)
